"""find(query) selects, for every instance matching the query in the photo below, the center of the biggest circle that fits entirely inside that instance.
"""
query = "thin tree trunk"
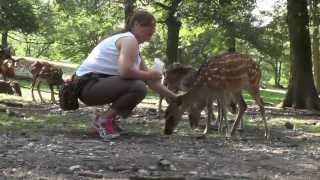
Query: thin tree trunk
(129, 6)
(173, 39)
(301, 93)
(315, 42)
(173, 25)
(4, 39)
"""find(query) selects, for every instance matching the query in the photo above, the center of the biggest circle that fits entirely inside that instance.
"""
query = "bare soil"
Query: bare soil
(145, 153)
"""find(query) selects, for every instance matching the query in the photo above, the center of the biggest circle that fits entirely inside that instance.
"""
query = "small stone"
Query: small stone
(75, 168)
(152, 168)
(13, 170)
(164, 162)
(193, 172)
(143, 172)
(172, 167)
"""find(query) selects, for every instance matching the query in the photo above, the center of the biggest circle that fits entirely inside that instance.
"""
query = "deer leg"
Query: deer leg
(243, 105)
(224, 118)
(32, 88)
(242, 109)
(160, 104)
(39, 92)
(194, 117)
(210, 115)
(255, 93)
(262, 112)
(220, 114)
(52, 94)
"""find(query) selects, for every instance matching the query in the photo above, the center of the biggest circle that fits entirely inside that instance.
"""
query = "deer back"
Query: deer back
(47, 73)
(230, 72)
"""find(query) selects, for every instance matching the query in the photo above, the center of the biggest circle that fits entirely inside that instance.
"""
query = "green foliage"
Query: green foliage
(270, 96)
(69, 29)
(18, 15)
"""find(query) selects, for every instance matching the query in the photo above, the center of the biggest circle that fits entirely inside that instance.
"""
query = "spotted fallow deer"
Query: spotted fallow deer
(10, 87)
(7, 63)
(47, 73)
(5, 53)
(179, 77)
(220, 77)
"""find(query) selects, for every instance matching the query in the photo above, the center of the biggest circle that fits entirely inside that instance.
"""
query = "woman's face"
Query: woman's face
(144, 33)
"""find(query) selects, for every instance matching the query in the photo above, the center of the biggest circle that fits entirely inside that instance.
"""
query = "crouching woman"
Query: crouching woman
(121, 74)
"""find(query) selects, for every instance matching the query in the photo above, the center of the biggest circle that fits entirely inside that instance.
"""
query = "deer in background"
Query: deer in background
(7, 64)
(47, 73)
(5, 53)
(221, 77)
(7, 69)
(180, 77)
(10, 87)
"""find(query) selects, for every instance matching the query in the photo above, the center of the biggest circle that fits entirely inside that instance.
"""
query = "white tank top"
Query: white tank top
(104, 57)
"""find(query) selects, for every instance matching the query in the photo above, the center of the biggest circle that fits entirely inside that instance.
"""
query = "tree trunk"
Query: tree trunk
(173, 25)
(315, 42)
(302, 92)
(4, 39)
(129, 6)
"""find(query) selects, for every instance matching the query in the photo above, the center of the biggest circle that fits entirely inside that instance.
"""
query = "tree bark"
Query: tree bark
(302, 92)
(315, 42)
(173, 25)
(129, 6)
(4, 39)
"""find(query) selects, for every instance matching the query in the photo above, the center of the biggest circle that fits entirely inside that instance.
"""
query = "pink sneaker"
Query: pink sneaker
(105, 128)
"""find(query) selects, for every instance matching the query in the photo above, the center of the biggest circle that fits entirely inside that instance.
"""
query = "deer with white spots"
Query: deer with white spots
(180, 77)
(47, 73)
(222, 77)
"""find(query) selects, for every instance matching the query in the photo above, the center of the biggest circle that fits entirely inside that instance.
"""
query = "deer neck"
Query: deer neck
(193, 95)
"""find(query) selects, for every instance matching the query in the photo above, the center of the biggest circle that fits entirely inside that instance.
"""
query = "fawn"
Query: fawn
(179, 77)
(5, 53)
(10, 87)
(220, 77)
(7, 63)
(47, 73)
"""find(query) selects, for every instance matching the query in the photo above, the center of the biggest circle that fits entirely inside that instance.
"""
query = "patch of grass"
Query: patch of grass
(299, 123)
(42, 122)
(269, 96)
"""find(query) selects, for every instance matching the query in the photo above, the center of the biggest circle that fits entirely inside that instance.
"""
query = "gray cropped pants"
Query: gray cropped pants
(123, 95)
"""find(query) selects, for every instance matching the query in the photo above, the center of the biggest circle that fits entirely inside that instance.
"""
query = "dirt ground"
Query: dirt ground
(145, 153)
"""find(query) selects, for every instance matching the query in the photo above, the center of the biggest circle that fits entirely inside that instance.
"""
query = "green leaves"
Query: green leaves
(18, 15)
